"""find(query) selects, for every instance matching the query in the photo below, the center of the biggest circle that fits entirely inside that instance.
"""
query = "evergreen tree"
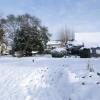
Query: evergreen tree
(28, 39)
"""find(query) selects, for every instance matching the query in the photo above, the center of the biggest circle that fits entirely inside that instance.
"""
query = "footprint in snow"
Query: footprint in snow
(33, 60)
(90, 76)
(98, 83)
(83, 83)
(42, 76)
(83, 76)
(98, 74)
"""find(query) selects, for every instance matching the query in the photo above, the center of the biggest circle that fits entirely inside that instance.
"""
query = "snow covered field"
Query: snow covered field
(43, 78)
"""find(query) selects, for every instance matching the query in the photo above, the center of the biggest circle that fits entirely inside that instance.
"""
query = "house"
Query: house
(74, 44)
(5, 49)
(95, 52)
(54, 44)
(91, 41)
(73, 47)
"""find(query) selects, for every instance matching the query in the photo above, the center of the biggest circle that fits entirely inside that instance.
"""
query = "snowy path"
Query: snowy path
(48, 79)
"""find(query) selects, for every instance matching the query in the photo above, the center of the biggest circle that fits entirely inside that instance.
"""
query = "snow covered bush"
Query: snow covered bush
(59, 52)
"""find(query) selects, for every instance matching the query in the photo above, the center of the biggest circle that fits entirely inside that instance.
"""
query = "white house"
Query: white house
(54, 44)
(90, 39)
(4, 49)
(75, 43)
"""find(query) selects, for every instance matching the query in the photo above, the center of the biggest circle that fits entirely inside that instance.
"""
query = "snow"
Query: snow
(34, 52)
(59, 50)
(54, 43)
(44, 78)
(75, 43)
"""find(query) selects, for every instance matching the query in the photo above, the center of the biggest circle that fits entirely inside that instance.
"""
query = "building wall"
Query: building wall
(90, 39)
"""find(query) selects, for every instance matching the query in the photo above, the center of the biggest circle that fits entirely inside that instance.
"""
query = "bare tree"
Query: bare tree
(66, 35)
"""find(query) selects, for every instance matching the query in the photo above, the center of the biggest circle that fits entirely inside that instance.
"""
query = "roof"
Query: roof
(59, 49)
(75, 43)
(54, 42)
(90, 39)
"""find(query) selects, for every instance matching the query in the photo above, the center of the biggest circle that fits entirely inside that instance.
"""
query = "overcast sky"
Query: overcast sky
(79, 15)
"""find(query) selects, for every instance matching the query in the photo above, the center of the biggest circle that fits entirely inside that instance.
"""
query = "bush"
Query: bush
(75, 51)
(28, 52)
(47, 51)
(57, 54)
(85, 53)
(61, 52)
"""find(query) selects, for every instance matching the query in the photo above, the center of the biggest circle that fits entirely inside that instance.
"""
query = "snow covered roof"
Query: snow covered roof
(53, 42)
(59, 49)
(90, 39)
(75, 43)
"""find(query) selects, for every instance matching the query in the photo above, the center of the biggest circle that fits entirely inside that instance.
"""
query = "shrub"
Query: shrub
(85, 53)
(61, 52)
